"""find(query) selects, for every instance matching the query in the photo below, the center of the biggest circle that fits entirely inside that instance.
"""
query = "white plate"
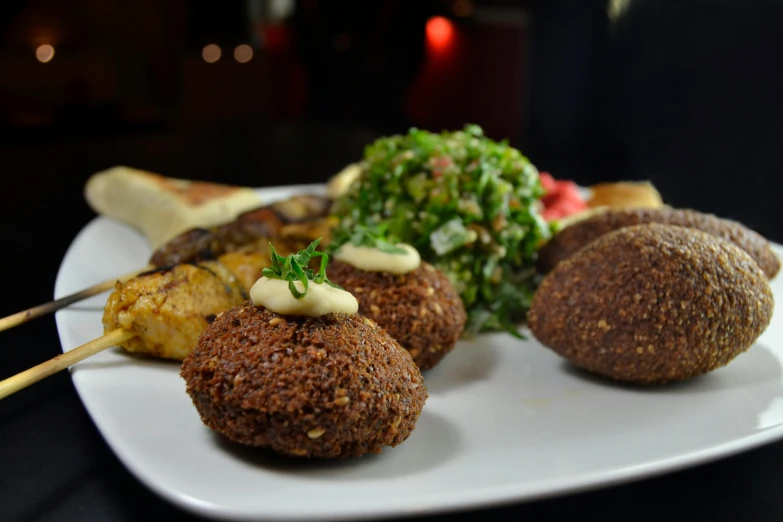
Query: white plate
(506, 420)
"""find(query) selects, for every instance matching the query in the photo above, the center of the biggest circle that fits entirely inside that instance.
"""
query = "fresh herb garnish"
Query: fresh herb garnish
(373, 236)
(295, 267)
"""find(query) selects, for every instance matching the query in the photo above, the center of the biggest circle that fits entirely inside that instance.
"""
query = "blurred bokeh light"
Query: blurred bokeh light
(179, 64)
(211, 53)
(243, 53)
(44, 53)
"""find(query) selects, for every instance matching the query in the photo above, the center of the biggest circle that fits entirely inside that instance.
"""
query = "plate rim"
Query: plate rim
(439, 502)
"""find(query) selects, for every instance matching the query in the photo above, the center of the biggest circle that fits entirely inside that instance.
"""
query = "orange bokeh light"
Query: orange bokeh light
(243, 53)
(44, 53)
(440, 32)
(211, 53)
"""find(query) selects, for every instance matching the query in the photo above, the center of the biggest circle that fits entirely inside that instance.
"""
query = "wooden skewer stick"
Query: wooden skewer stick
(62, 361)
(52, 306)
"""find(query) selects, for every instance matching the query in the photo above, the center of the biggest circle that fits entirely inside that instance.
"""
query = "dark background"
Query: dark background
(687, 94)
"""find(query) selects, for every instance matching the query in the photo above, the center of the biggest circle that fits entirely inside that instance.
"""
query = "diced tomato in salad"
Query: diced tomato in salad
(561, 198)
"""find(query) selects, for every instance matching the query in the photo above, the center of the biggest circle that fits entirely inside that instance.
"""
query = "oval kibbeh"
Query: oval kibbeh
(569, 240)
(653, 304)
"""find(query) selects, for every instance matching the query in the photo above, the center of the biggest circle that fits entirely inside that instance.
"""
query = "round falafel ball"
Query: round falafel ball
(420, 309)
(333, 386)
(652, 304)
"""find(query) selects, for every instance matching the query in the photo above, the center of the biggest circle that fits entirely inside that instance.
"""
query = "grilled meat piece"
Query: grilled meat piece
(301, 218)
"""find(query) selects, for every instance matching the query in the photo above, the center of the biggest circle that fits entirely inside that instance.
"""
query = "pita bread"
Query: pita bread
(162, 207)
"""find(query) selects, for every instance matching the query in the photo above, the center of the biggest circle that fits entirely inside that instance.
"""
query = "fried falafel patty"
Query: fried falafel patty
(652, 304)
(420, 309)
(569, 240)
(333, 386)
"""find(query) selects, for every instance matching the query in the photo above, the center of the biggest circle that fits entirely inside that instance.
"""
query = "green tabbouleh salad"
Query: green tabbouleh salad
(467, 204)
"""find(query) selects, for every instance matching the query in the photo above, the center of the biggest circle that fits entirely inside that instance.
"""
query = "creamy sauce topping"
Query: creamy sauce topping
(376, 260)
(322, 299)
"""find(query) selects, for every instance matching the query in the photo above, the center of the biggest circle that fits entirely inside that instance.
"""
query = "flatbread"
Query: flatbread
(161, 207)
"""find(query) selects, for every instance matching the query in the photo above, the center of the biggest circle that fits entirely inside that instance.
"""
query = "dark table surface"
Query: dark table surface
(54, 464)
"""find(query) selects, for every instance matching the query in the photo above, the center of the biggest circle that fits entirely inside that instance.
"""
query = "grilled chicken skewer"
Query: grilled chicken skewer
(162, 312)
(300, 218)
(169, 308)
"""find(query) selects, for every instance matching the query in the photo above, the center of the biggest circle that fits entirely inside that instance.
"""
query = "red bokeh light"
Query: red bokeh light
(276, 38)
(440, 32)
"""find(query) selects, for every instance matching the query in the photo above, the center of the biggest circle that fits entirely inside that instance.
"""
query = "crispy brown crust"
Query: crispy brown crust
(569, 240)
(653, 303)
(329, 387)
(421, 309)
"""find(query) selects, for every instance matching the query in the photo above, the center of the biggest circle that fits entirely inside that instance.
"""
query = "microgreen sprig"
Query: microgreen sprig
(295, 267)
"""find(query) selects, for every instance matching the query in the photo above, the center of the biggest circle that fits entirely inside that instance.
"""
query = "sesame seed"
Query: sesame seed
(315, 433)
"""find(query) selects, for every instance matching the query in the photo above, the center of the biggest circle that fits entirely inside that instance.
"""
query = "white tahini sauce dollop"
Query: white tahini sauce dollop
(375, 260)
(321, 299)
